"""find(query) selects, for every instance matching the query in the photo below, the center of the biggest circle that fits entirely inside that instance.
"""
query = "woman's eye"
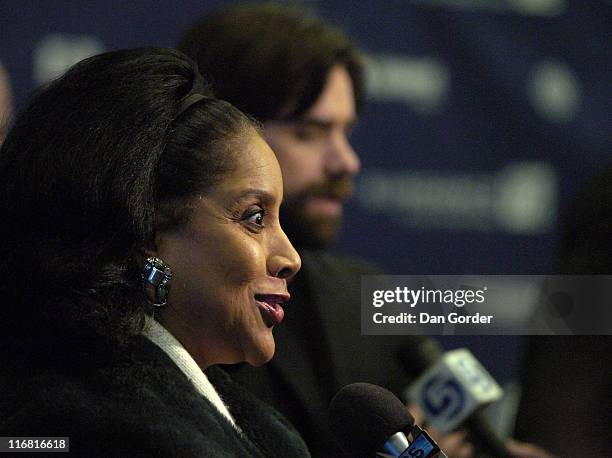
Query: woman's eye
(255, 219)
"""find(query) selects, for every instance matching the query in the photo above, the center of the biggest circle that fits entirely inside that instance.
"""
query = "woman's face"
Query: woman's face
(230, 265)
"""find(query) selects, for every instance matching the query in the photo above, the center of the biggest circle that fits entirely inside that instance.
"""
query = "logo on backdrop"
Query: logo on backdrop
(554, 91)
(520, 198)
(543, 8)
(56, 52)
(422, 83)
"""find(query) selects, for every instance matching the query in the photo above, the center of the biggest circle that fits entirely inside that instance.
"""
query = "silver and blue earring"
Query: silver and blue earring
(157, 278)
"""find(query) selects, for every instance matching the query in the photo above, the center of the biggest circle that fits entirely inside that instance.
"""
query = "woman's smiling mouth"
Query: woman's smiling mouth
(270, 307)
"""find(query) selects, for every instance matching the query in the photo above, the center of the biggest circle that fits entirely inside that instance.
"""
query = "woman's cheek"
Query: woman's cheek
(248, 262)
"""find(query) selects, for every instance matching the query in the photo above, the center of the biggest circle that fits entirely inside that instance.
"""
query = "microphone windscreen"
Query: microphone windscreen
(364, 416)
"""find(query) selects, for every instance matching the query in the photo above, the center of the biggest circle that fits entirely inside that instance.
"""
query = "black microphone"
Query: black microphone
(368, 419)
(426, 360)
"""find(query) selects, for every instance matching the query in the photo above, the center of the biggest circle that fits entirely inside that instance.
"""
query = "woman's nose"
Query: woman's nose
(284, 261)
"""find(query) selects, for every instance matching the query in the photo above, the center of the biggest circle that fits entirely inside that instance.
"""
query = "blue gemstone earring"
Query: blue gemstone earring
(157, 278)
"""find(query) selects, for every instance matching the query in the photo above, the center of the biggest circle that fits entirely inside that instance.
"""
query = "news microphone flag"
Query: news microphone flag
(453, 389)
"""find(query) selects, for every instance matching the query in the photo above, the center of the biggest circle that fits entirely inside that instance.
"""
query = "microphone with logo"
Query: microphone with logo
(369, 421)
(452, 390)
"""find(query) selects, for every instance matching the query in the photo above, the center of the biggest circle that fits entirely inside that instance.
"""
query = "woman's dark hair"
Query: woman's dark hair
(270, 60)
(98, 161)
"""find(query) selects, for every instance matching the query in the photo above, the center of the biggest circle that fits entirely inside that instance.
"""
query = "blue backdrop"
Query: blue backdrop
(483, 118)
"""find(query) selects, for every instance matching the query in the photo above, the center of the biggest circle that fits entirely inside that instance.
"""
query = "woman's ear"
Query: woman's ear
(151, 247)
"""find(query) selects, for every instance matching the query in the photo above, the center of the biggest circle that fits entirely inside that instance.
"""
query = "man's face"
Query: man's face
(318, 163)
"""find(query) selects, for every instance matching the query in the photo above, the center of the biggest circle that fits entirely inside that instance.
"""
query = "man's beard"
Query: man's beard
(306, 230)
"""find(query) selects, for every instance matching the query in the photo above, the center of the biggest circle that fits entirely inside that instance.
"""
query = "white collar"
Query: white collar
(160, 336)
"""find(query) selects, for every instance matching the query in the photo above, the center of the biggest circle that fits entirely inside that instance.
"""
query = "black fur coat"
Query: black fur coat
(141, 404)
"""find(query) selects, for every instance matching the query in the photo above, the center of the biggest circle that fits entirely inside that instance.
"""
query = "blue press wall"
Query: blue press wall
(483, 119)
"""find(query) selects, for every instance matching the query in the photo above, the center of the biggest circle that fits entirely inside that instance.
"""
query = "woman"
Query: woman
(141, 246)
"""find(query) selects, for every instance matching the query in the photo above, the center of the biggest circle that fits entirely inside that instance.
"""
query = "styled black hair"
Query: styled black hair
(270, 60)
(98, 161)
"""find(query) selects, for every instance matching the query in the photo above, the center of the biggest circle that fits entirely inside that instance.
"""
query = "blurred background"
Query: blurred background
(484, 119)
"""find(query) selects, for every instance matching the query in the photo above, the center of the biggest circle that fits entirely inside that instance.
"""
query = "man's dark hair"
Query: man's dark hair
(270, 60)
(98, 161)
